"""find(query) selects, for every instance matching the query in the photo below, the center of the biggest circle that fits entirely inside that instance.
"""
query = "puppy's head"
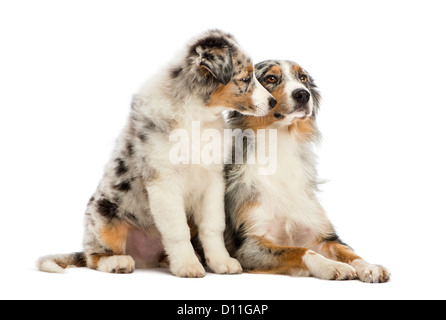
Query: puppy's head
(293, 88)
(223, 75)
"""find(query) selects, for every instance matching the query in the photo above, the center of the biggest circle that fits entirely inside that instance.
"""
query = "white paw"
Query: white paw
(225, 266)
(326, 269)
(339, 271)
(188, 269)
(371, 273)
(116, 264)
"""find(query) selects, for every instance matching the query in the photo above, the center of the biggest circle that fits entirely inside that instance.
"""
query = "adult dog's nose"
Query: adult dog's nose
(272, 103)
(302, 96)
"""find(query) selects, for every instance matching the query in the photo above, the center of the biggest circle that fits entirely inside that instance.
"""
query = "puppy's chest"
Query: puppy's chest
(202, 154)
(201, 139)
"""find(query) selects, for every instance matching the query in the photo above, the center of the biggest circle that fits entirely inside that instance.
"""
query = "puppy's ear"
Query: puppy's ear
(217, 61)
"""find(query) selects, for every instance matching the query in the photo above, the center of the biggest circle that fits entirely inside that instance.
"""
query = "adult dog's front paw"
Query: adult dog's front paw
(326, 269)
(371, 273)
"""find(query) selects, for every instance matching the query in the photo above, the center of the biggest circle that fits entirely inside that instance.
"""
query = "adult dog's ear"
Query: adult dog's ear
(217, 60)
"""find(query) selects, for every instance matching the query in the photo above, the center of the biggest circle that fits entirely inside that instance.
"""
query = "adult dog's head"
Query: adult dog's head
(218, 71)
(297, 101)
(294, 89)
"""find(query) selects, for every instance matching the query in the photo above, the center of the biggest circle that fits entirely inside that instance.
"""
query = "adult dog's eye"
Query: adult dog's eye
(246, 80)
(303, 78)
(272, 79)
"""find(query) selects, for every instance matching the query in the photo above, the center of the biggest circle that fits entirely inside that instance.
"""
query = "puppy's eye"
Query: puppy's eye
(271, 79)
(246, 80)
(303, 78)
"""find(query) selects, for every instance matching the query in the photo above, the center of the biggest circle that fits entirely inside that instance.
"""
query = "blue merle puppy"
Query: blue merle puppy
(145, 204)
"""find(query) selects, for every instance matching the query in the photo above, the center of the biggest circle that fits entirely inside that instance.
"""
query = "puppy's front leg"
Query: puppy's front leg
(210, 218)
(167, 208)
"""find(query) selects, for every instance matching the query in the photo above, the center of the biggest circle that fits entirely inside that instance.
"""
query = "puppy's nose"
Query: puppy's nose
(272, 103)
(302, 96)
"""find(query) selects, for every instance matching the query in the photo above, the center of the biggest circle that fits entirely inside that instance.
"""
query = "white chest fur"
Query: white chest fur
(289, 214)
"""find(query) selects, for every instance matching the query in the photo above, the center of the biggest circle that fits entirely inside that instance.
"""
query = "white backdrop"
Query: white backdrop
(68, 70)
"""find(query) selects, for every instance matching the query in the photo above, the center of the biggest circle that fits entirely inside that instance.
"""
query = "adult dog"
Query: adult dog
(145, 198)
(275, 222)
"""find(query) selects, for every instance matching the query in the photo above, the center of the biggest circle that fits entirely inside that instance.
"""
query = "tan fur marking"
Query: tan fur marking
(255, 123)
(339, 252)
(93, 260)
(228, 95)
(225, 95)
(296, 68)
(115, 236)
(275, 70)
(282, 100)
(287, 260)
(304, 128)
(221, 96)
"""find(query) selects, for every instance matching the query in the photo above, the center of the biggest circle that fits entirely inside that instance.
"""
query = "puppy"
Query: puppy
(146, 198)
(275, 223)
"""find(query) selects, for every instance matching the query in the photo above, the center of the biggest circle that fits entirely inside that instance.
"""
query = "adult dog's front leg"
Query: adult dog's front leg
(210, 218)
(260, 255)
(167, 208)
(366, 272)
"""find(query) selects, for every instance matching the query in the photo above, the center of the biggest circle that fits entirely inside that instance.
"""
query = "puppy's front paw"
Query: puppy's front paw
(189, 269)
(225, 266)
(371, 273)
